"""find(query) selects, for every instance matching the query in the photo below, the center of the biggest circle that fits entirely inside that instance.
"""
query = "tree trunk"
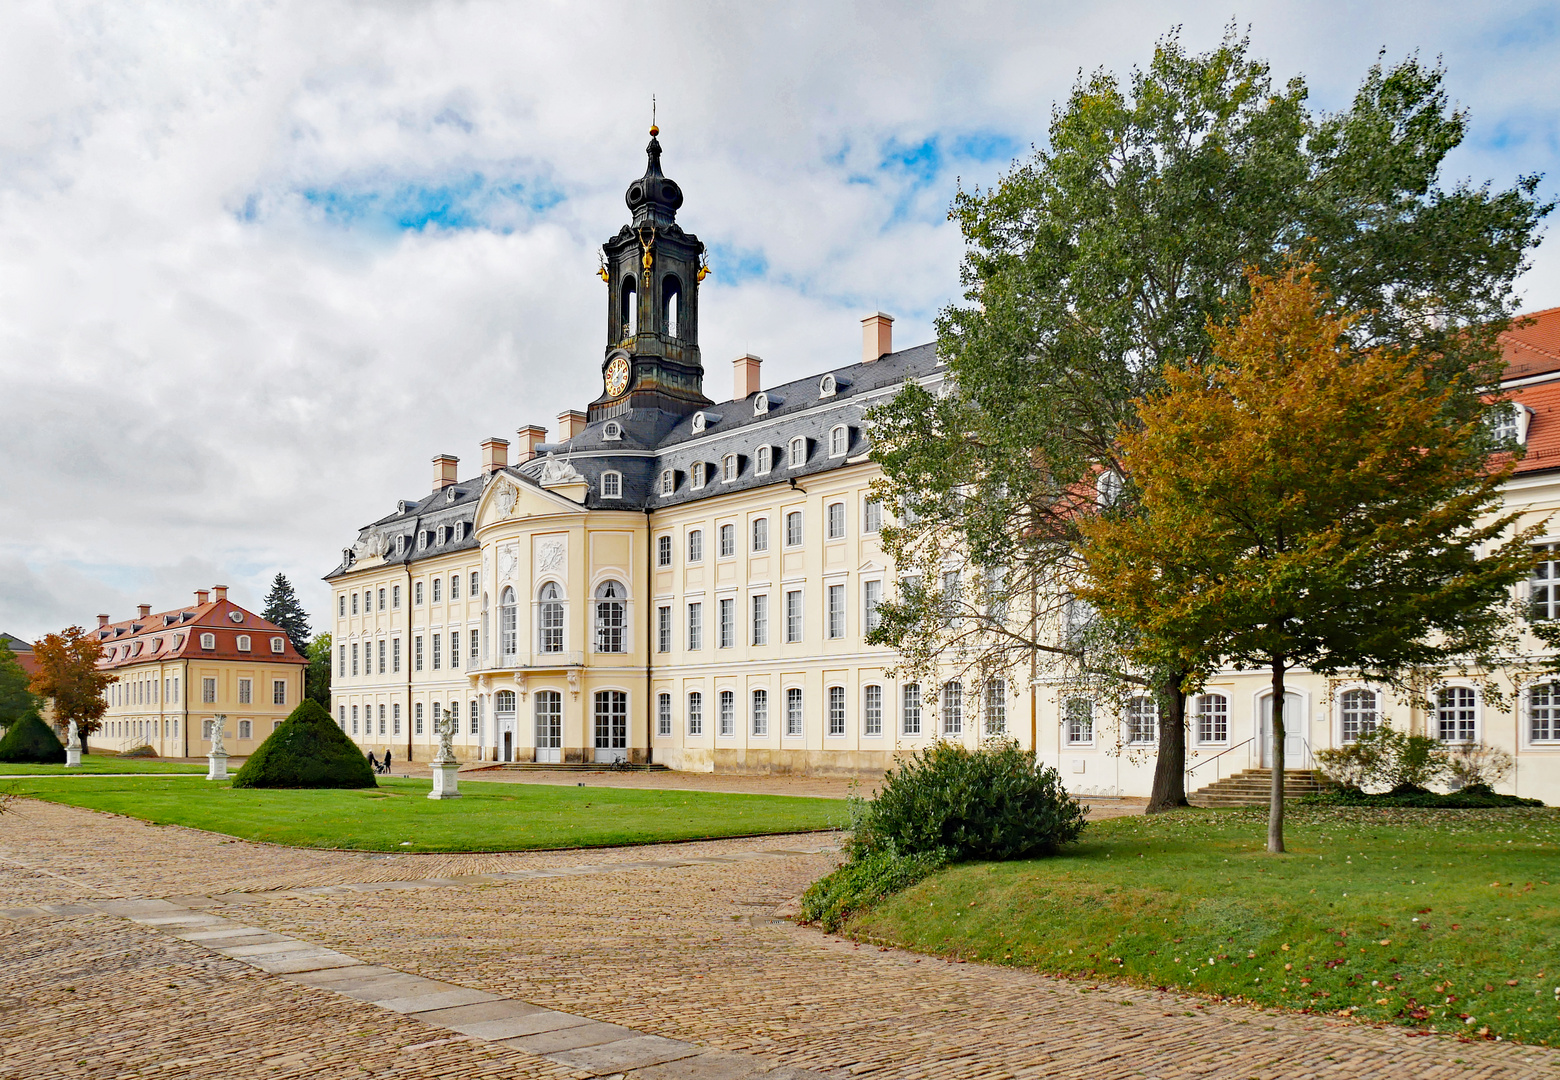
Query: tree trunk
(1169, 790)
(1275, 837)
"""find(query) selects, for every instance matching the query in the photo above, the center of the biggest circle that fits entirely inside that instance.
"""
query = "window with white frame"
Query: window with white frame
(438, 590)
(208, 691)
(793, 711)
(663, 715)
(454, 648)
(798, 452)
(1142, 720)
(1213, 718)
(839, 440)
(417, 653)
(761, 713)
(827, 386)
(1358, 711)
(872, 710)
(454, 586)
(1080, 721)
(911, 709)
(341, 721)
(611, 486)
(996, 707)
(243, 643)
(726, 537)
(871, 600)
(728, 622)
(696, 474)
(611, 599)
(278, 644)
(695, 545)
(872, 515)
(278, 691)
(417, 718)
(438, 651)
(354, 603)
(549, 618)
(695, 626)
(395, 718)
(763, 460)
(695, 713)
(1544, 583)
(761, 619)
(836, 710)
(728, 712)
(668, 481)
(341, 606)
(699, 422)
(474, 717)
(793, 615)
(728, 468)
(1543, 706)
(663, 628)
(395, 655)
(836, 611)
(793, 529)
(417, 594)
(760, 403)
(761, 534)
(663, 551)
(475, 586)
(1457, 714)
(836, 521)
(246, 691)
(395, 597)
(1504, 424)
(208, 641)
(245, 729)
(474, 637)
(612, 431)
(354, 658)
(953, 708)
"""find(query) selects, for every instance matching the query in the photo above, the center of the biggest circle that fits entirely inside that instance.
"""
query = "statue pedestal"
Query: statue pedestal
(445, 785)
(217, 768)
(73, 757)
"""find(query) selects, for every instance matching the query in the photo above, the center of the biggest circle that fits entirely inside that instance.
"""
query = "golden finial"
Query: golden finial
(601, 271)
(654, 131)
(704, 268)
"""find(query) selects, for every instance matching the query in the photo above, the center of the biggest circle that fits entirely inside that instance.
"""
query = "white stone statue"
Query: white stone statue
(216, 735)
(73, 739)
(559, 471)
(446, 732)
(444, 766)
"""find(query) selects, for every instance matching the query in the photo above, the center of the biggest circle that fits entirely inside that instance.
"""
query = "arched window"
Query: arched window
(697, 473)
(550, 618)
(839, 441)
(668, 481)
(208, 641)
(504, 702)
(508, 624)
(728, 468)
(610, 597)
(1359, 711)
(953, 708)
(277, 645)
(630, 312)
(1142, 720)
(1107, 488)
(243, 643)
(671, 304)
(763, 458)
(798, 452)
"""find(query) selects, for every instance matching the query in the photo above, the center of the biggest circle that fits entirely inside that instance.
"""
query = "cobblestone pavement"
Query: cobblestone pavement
(690, 953)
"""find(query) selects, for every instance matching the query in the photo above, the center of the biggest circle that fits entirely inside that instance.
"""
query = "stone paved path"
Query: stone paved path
(131, 950)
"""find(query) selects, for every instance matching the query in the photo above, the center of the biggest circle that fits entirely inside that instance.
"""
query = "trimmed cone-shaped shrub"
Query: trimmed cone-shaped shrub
(31, 740)
(307, 751)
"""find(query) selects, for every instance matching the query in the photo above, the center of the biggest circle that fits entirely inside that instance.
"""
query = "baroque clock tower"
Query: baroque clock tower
(652, 269)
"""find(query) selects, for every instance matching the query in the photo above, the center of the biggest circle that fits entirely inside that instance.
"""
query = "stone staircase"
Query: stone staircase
(1252, 788)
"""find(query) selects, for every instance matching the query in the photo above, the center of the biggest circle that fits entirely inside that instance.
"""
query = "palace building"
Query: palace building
(178, 670)
(671, 578)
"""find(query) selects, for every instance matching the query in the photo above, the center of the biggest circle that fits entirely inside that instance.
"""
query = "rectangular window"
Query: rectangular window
(395, 597)
(695, 713)
(438, 651)
(475, 588)
(455, 587)
(836, 710)
(793, 529)
(761, 713)
(728, 541)
(663, 628)
(836, 521)
(395, 718)
(417, 718)
(354, 658)
(208, 691)
(872, 711)
(381, 656)
(474, 719)
(793, 615)
(1142, 720)
(395, 655)
(695, 545)
(663, 551)
(793, 711)
(760, 534)
(381, 599)
(438, 590)
(953, 708)
(728, 468)
(996, 707)
(278, 691)
(245, 729)
(354, 603)
(836, 611)
(663, 715)
(417, 594)
(354, 721)
(1456, 714)
(695, 626)
(1080, 721)
(1357, 710)
(871, 597)
(417, 653)
(728, 623)
(472, 637)
(761, 620)
(341, 661)
(454, 646)
(1213, 718)
(728, 712)
(1544, 712)
(1544, 583)
(246, 692)
(341, 605)
(872, 516)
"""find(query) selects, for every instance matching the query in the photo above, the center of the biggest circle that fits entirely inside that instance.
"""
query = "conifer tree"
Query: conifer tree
(283, 609)
(15, 696)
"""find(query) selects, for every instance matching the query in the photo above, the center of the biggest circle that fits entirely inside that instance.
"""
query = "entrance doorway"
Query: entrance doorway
(504, 718)
(1294, 731)
(549, 727)
(611, 726)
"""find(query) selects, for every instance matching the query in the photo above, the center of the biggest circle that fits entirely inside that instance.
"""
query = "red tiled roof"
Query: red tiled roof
(175, 635)
(1532, 346)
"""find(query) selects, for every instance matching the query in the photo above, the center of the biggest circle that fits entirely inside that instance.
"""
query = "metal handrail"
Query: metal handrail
(1217, 756)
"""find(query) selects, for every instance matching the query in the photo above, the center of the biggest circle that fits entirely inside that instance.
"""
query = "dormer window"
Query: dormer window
(839, 441)
(763, 459)
(613, 431)
(243, 643)
(798, 452)
(400, 545)
(443, 534)
(698, 422)
(1509, 423)
(450, 494)
(422, 539)
(728, 468)
(668, 481)
(460, 531)
(208, 641)
(1107, 489)
(698, 474)
(827, 386)
(401, 507)
(278, 644)
(761, 404)
(611, 485)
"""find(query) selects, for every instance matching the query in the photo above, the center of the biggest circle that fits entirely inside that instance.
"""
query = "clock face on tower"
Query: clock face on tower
(617, 375)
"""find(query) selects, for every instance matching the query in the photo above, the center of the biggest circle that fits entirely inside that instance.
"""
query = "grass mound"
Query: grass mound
(307, 751)
(31, 740)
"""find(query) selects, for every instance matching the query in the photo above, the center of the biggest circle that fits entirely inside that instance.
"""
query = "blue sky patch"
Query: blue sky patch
(471, 201)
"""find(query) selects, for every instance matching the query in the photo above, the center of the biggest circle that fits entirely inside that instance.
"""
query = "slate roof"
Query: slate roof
(651, 440)
(175, 635)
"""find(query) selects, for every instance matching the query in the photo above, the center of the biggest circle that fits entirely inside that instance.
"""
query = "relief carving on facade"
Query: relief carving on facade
(508, 562)
(507, 497)
(551, 556)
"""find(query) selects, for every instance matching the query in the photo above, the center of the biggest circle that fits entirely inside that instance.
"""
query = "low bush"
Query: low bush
(1472, 797)
(30, 740)
(1385, 758)
(860, 883)
(307, 751)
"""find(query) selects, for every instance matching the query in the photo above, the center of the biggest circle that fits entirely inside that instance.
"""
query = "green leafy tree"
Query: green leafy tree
(316, 677)
(283, 609)
(1322, 507)
(68, 675)
(1099, 262)
(15, 696)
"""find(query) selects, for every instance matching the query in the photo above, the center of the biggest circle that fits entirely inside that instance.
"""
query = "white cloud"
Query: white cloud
(219, 354)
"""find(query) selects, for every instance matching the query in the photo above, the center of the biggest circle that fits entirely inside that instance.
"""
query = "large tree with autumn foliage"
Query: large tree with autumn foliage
(1307, 503)
(68, 674)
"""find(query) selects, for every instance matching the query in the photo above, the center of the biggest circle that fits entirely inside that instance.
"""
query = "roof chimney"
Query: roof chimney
(220, 590)
(744, 377)
(102, 620)
(531, 436)
(444, 471)
(144, 609)
(570, 423)
(495, 455)
(877, 336)
(201, 597)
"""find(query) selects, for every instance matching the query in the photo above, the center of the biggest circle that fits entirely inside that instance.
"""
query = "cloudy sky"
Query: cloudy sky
(260, 261)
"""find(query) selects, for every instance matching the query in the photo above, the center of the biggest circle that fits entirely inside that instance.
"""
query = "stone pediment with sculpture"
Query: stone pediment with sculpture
(508, 499)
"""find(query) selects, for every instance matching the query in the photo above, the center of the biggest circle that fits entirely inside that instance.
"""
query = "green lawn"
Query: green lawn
(398, 815)
(102, 763)
(1447, 919)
